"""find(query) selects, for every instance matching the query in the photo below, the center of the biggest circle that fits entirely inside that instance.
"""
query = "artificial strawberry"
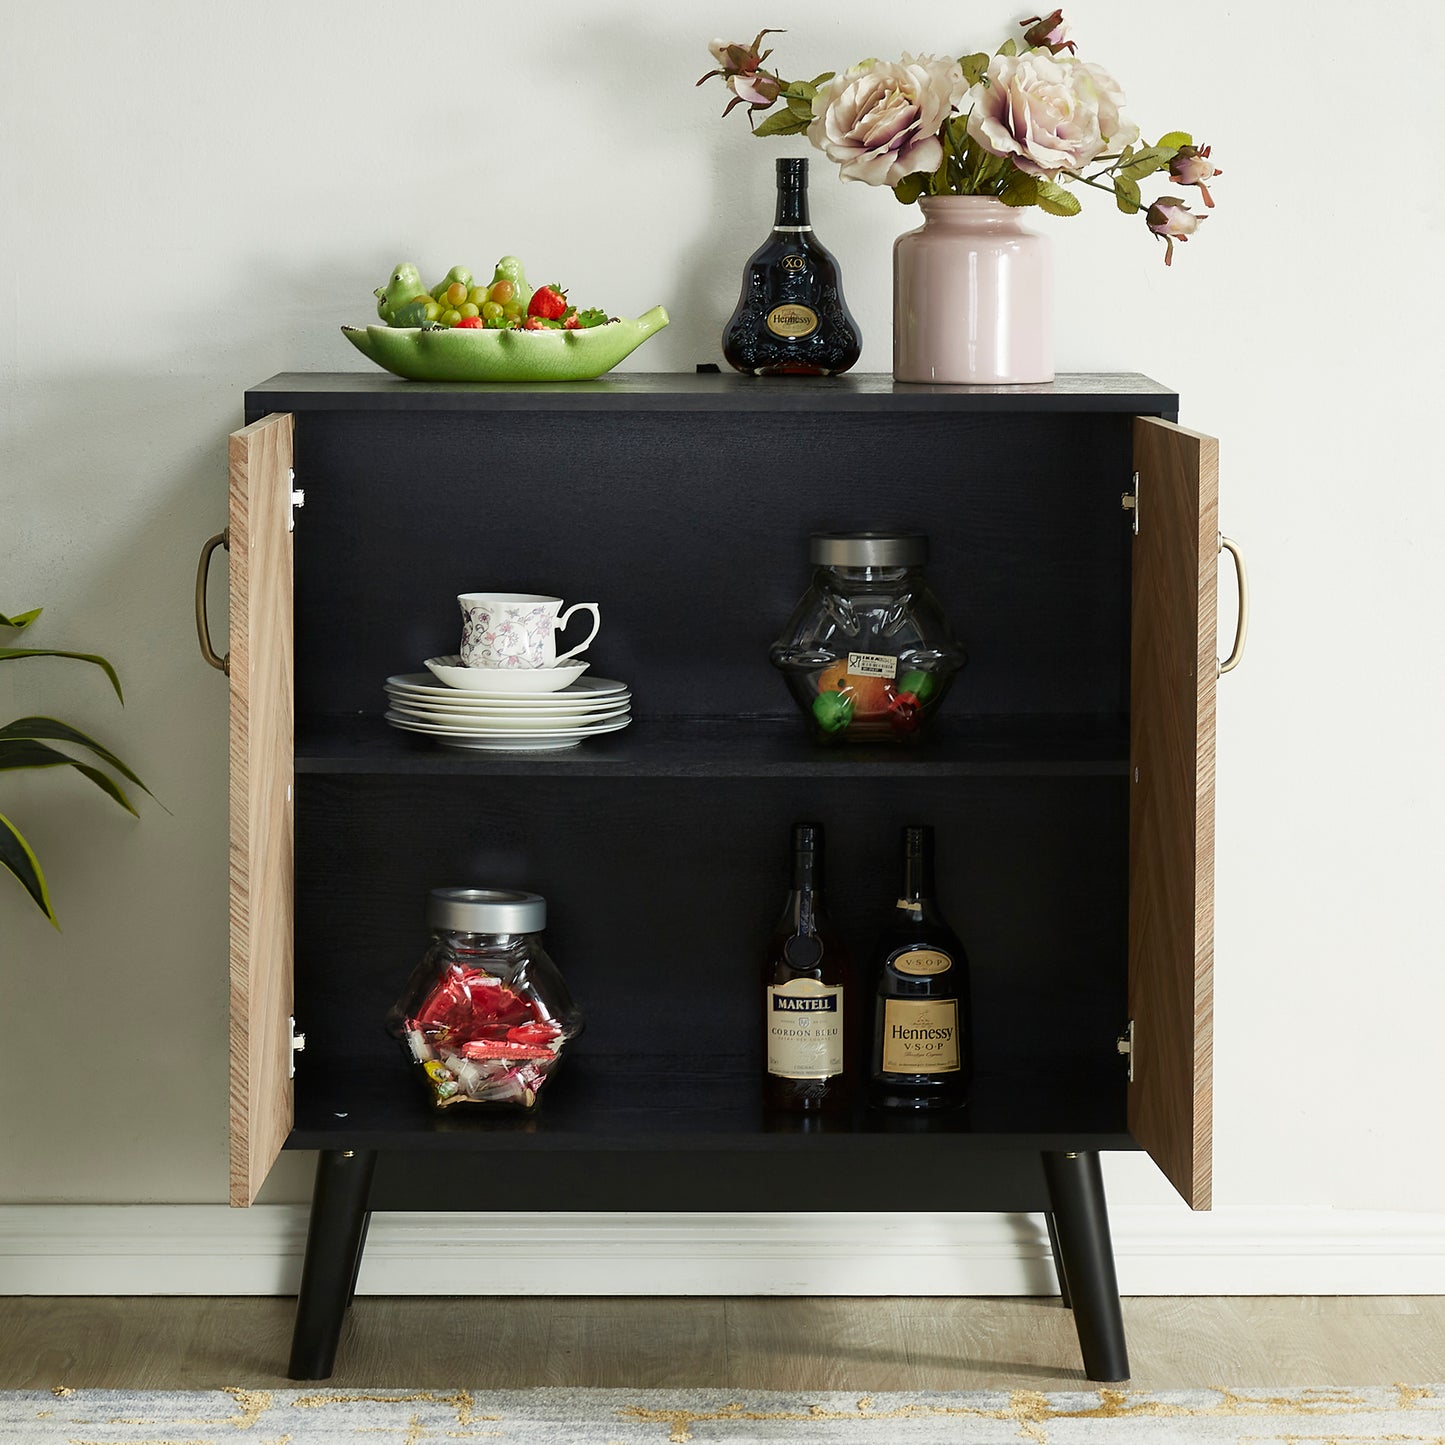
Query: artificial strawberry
(469, 323)
(549, 302)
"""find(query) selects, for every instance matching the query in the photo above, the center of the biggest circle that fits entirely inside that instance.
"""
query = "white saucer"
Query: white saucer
(424, 685)
(504, 679)
(518, 742)
(489, 726)
(552, 705)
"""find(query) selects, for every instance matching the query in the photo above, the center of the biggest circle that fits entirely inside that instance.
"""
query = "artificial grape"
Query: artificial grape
(468, 310)
(433, 310)
(477, 295)
(455, 294)
(450, 317)
(512, 310)
(503, 291)
(492, 310)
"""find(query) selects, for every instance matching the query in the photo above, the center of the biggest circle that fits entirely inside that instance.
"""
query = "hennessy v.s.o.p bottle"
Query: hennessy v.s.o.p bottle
(791, 319)
(807, 998)
(922, 1056)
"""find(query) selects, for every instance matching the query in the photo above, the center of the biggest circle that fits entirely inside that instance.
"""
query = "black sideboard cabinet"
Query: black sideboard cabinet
(1074, 540)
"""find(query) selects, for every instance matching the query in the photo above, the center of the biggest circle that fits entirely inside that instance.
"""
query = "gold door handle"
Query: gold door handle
(1241, 626)
(203, 630)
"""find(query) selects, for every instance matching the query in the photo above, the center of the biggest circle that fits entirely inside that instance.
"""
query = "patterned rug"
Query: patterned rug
(1396, 1415)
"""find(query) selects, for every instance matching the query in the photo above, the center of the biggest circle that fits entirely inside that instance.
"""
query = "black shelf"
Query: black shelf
(694, 747)
(372, 391)
(688, 1103)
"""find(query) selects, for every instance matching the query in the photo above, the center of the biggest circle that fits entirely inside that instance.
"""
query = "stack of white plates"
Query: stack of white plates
(507, 720)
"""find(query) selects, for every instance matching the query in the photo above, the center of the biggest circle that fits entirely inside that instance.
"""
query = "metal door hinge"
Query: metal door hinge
(1129, 501)
(298, 497)
(1125, 1045)
(298, 1045)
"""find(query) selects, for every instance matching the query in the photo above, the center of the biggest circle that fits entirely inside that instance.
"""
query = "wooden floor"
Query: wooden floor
(780, 1344)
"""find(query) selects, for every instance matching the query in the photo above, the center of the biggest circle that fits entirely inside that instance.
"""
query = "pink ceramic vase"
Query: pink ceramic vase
(972, 296)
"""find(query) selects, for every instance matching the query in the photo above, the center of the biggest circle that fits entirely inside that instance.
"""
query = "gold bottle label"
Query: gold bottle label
(790, 319)
(805, 1029)
(920, 1036)
(923, 962)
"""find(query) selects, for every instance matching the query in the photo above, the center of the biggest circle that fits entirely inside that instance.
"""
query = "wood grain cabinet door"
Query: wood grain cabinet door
(262, 775)
(1173, 668)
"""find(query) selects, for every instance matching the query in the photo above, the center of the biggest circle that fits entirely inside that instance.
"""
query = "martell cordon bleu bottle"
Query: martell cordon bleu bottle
(791, 319)
(922, 1056)
(806, 995)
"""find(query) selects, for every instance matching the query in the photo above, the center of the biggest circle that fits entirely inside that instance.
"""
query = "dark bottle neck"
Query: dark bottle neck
(792, 210)
(917, 865)
(803, 901)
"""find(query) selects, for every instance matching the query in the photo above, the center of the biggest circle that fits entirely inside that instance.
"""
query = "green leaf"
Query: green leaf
(34, 729)
(974, 67)
(1145, 163)
(18, 754)
(801, 108)
(1126, 196)
(10, 653)
(17, 855)
(1020, 190)
(20, 620)
(819, 80)
(782, 122)
(1008, 48)
(911, 187)
(1057, 201)
(1175, 139)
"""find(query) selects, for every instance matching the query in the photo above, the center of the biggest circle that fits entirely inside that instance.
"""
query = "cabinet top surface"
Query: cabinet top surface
(1125, 392)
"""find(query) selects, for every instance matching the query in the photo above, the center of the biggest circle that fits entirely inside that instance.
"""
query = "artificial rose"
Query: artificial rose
(1191, 166)
(739, 64)
(1048, 114)
(1048, 31)
(880, 121)
(1170, 218)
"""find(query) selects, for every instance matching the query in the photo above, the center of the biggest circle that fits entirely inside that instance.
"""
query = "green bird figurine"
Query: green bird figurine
(457, 273)
(404, 287)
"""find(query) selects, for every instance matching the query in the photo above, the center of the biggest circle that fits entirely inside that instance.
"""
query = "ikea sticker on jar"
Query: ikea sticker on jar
(922, 962)
(872, 664)
(790, 319)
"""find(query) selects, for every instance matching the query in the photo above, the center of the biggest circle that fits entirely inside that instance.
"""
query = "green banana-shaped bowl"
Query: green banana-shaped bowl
(473, 354)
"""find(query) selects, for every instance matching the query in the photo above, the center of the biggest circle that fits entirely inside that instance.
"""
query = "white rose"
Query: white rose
(1048, 113)
(880, 121)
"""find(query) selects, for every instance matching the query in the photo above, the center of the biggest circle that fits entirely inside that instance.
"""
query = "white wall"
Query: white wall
(194, 196)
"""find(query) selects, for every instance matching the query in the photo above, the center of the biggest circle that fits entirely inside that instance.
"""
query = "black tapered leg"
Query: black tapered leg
(360, 1250)
(1086, 1256)
(333, 1255)
(1058, 1258)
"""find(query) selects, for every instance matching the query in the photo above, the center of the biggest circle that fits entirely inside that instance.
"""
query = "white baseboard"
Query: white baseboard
(209, 1249)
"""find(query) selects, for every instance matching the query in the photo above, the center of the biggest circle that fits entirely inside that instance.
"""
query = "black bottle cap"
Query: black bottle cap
(917, 837)
(792, 170)
(807, 837)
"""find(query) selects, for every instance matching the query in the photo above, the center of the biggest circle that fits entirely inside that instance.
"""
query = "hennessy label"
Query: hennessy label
(872, 664)
(805, 1029)
(922, 962)
(920, 1036)
(791, 319)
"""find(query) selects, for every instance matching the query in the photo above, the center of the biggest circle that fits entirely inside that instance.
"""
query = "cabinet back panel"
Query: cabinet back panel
(661, 895)
(690, 530)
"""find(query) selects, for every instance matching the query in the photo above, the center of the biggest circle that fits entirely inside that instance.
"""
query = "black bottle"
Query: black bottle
(922, 1055)
(807, 1001)
(791, 319)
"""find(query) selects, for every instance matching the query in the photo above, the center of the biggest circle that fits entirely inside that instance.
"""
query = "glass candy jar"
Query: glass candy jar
(485, 1015)
(868, 653)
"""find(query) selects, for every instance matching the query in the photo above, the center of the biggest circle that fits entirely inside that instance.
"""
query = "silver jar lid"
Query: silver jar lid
(486, 910)
(868, 549)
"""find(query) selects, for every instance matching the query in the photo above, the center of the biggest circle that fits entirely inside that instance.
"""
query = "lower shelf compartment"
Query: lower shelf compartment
(694, 1104)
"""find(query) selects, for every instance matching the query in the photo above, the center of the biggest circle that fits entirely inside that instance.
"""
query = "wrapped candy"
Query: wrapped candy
(486, 1015)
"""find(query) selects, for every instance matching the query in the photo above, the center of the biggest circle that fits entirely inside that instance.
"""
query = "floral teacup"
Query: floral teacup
(517, 629)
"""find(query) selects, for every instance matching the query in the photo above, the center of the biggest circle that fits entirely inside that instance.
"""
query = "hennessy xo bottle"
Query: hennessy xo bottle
(791, 319)
(922, 1050)
(805, 994)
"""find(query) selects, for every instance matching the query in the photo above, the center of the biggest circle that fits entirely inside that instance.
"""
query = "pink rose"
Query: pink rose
(1191, 166)
(1048, 114)
(1170, 218)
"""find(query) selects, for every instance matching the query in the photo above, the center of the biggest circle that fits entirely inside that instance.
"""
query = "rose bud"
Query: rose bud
(739, 65)
(1047, 30)
(1170, 218)
(1191, 166)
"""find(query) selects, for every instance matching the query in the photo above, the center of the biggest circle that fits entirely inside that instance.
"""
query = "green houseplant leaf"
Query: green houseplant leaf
(26, 745)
